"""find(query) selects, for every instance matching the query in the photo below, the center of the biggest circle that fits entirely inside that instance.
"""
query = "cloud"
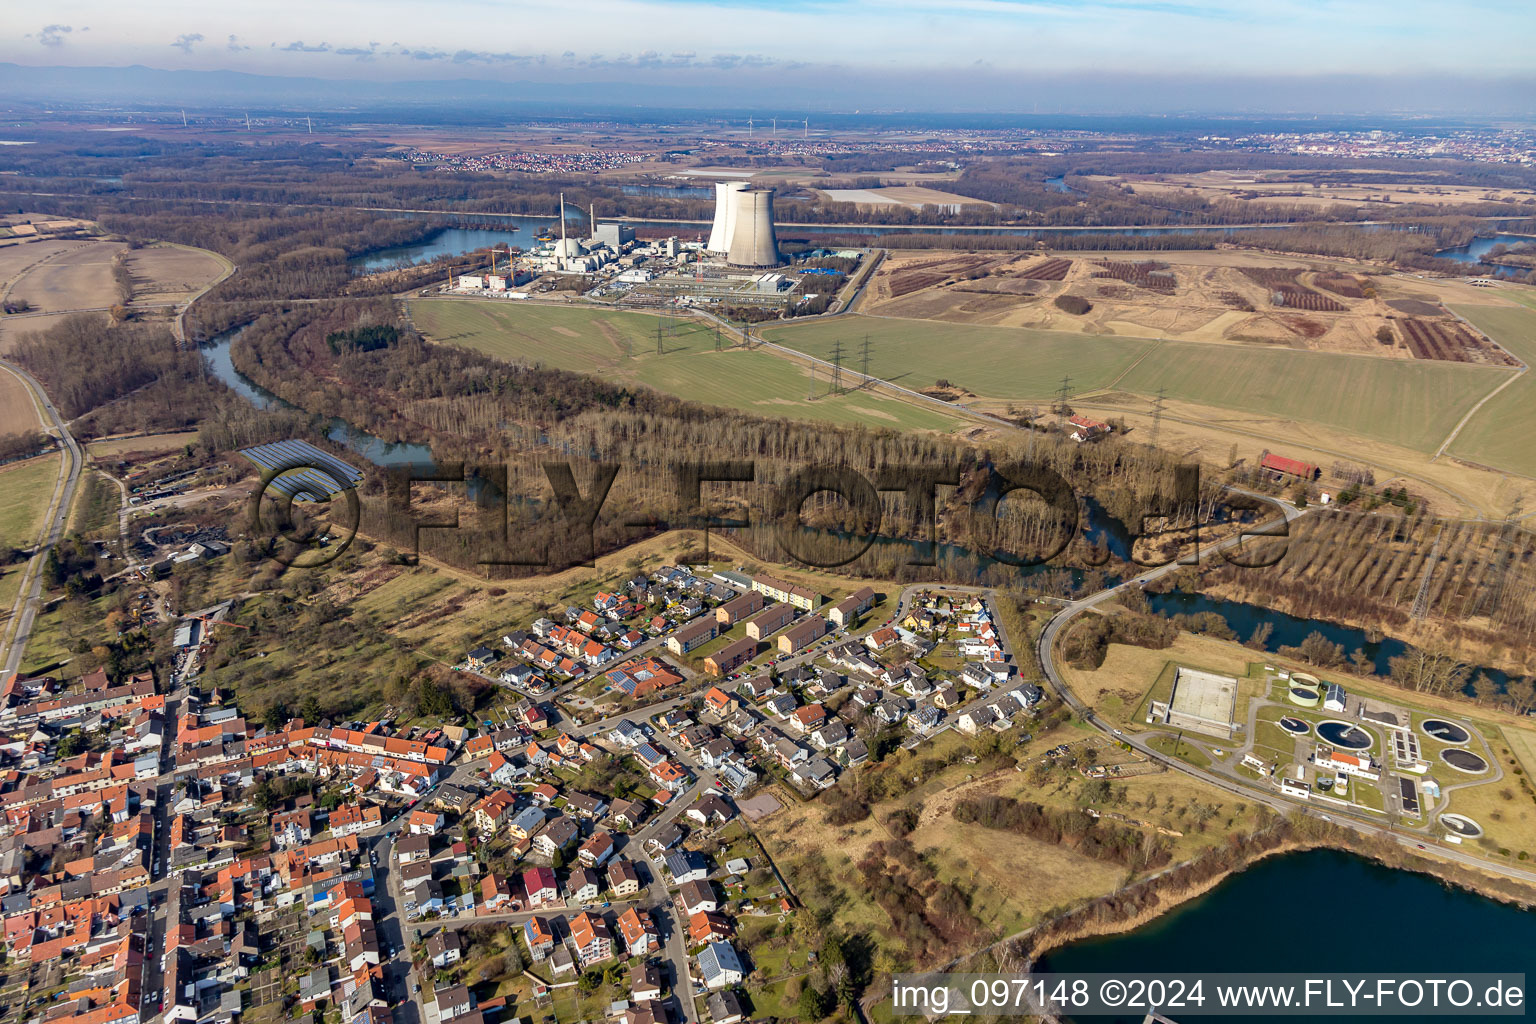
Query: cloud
(187, 40)
(235, 45)
(299, 46)
(54, 35)
(360, 52)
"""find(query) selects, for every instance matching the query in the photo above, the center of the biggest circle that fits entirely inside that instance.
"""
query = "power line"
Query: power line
(864, 359)
(837, 367)
(1157, 414)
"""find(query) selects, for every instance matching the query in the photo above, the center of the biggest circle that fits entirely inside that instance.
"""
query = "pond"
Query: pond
(1290, 631)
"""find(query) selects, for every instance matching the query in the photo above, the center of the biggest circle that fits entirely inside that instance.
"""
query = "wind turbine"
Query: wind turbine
(749, 127)
(183, 118)
(247, 120)
(775, 127)
(807, 128)
(311, 123)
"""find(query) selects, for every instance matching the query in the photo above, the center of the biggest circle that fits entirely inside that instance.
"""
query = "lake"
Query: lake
(1473, 252)
(1285, 913)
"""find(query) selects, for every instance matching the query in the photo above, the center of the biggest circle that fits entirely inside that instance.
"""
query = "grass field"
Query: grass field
(25, 489)
(1409, 402)
(1500, 434)
(621, 347)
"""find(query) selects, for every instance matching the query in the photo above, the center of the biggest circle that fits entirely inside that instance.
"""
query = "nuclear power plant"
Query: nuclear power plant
(750, 217)
(736, 268)
(725, 215)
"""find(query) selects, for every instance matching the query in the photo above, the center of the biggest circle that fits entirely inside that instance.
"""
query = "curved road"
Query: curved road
(1046, 651)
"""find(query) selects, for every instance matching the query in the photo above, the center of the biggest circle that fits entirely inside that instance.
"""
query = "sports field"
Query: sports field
(1408, 402)
(621, 346)
(1500, 434)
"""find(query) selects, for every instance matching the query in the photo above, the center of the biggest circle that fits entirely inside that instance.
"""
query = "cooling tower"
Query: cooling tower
(752, 241)
(725, 211)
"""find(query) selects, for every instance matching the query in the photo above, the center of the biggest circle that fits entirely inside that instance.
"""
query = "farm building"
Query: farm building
(1280, 466)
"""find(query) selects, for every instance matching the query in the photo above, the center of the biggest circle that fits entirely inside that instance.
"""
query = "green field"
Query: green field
(996, 362)
(1407, 402)
(24, 492)
(1500, 434)
(621, 346)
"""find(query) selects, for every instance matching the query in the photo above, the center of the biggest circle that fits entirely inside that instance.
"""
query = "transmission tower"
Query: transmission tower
(811, 394)
(1061, 401)
(864, 359)
(837, 367)
(658, 336)
(1157, 414)
(719, 344)
(1421, 599)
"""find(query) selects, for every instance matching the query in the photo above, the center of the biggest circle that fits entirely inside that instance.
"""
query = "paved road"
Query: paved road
(1046, 651)
(29, 597)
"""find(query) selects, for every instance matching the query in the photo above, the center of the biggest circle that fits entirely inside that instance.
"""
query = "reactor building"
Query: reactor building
(743, 226)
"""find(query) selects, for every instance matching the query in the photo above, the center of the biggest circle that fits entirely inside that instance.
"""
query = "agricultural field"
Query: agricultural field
(621, 347)
(1499, 434)
(78, 278)
(171, 273)
(1272, 187)
(914, 196)
(1240, 298)
(17, 411)
(1411, 403)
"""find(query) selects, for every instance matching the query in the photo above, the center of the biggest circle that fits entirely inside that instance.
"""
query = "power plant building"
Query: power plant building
(614, 235)
(725, 215)
(752, 241)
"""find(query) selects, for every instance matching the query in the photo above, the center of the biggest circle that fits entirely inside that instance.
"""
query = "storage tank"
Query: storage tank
(752, 241)
(725, 212)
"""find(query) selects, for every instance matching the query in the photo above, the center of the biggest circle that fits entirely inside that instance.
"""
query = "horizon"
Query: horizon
(1115, 56)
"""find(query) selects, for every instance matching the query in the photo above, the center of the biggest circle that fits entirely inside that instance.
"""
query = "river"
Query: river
(375, 449)
(1317, 911)
(519, 231)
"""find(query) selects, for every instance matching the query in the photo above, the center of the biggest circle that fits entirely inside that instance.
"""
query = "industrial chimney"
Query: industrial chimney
(752, 243)
(720, 234)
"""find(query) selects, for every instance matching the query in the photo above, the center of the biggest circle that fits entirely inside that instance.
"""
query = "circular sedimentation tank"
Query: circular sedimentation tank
(1344, 735)
(1304, 697)
(1445, 732)
(1464, 760)
(1295, 726)
(1461, 825)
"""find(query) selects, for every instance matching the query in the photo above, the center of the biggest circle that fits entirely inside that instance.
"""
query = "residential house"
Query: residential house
(443, 948)
(736, 609)
(555, 836)
(597, 849)
(540, 937)
(707, 926)
(697, 897)
(693, 636)
(687, 866)
(623, 878)
(800, 636)
(847, 611)
(638, 932)
(541, 887)
(591, 938)
(720, 966)
(800, 597)
(731, 657)
(583, 886)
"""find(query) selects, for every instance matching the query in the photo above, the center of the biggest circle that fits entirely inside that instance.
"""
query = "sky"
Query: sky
(704, 43)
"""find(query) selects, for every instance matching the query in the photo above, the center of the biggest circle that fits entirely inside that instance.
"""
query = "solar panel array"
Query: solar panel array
(314, 472)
